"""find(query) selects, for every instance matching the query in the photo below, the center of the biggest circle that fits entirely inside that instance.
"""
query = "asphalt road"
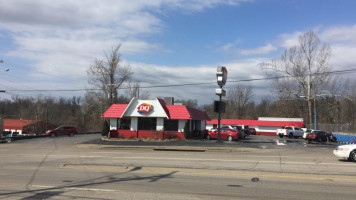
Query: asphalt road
(85, 167)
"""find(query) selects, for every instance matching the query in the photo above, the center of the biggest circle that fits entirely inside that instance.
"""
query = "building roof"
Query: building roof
(115, 111)
(184, 112)
(17, 123)
(256, 122)
(172, 111)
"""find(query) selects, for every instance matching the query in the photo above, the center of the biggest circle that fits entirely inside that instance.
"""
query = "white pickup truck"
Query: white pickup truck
(290, 131)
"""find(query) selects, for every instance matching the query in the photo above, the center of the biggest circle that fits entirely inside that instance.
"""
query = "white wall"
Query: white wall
(181, 124)
(209, 126)
(268, 128)
(113, 123)
(160, 124)
(280, 119)
(13, 130)
(134, 123)
(157, 109)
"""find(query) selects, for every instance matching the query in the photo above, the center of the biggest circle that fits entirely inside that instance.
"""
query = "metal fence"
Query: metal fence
(345, 129)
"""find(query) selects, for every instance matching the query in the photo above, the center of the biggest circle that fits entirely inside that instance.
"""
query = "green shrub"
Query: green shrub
(170, 136)
(105, 129)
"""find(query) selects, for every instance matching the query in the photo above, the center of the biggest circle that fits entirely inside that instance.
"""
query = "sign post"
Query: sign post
(219, 106)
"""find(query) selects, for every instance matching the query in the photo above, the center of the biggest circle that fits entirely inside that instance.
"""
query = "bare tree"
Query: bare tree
(237, 98)
(109, 75)
(305, 67)
(134, 90)
(193, 103)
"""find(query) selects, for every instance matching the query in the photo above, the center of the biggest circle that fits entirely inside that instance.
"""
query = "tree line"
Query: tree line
(302, 72)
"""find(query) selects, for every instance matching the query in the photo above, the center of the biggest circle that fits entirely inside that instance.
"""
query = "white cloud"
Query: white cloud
(289, 40)
(46, 31)
(61, 38)
(339, 34)
(176, 75)
(268, 48)
(342, 40)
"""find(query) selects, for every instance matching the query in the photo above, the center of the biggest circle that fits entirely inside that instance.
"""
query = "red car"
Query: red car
(317, 136)
(225, 133)
(252, 131)
(62, 130)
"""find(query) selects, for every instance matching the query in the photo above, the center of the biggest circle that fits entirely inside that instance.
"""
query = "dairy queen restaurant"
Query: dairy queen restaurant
(158, 119)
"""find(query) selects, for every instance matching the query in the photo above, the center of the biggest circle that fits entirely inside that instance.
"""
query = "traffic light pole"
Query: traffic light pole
(219, 119)
(221, 77)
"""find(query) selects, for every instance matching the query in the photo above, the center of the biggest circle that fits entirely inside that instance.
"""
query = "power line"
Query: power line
(174, 85)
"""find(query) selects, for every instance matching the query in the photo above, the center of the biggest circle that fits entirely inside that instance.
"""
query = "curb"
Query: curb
(169, 148)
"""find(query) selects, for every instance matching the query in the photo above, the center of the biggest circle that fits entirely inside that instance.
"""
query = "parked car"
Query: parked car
(317, 136)
(5, 136)
(252, 131)
(62, 130)
(307, 132)
(290, 131)
(346, 151)
(225, 133)
(244, 129)
(331, 137)
(213, 129)
(241, 129)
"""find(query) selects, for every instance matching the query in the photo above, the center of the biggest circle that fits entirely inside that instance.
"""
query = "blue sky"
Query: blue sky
(50, 44)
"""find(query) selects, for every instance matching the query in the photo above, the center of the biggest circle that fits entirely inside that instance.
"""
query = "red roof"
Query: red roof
(256, 122)
(115, 111)
(16, 123)
(172, 111)
(184, 112)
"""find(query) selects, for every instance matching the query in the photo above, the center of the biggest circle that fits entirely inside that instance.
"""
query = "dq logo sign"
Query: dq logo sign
(144, 108)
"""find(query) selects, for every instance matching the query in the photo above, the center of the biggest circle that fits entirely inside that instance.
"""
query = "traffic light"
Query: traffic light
(219, 106)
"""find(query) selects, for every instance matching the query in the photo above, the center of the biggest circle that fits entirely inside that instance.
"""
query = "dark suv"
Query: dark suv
(62, 130)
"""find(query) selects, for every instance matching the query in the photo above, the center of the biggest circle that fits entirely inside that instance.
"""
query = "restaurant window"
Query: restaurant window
(148, 124)
(124, 124)
(171, 125)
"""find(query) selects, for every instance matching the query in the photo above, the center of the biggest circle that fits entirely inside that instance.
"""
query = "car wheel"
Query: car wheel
(320, 140)
(52, 135)
(8, 140)
(353, 156)
(208, 137)
(280, 135)
(229, 138)
(290, 135)
(71, 134)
